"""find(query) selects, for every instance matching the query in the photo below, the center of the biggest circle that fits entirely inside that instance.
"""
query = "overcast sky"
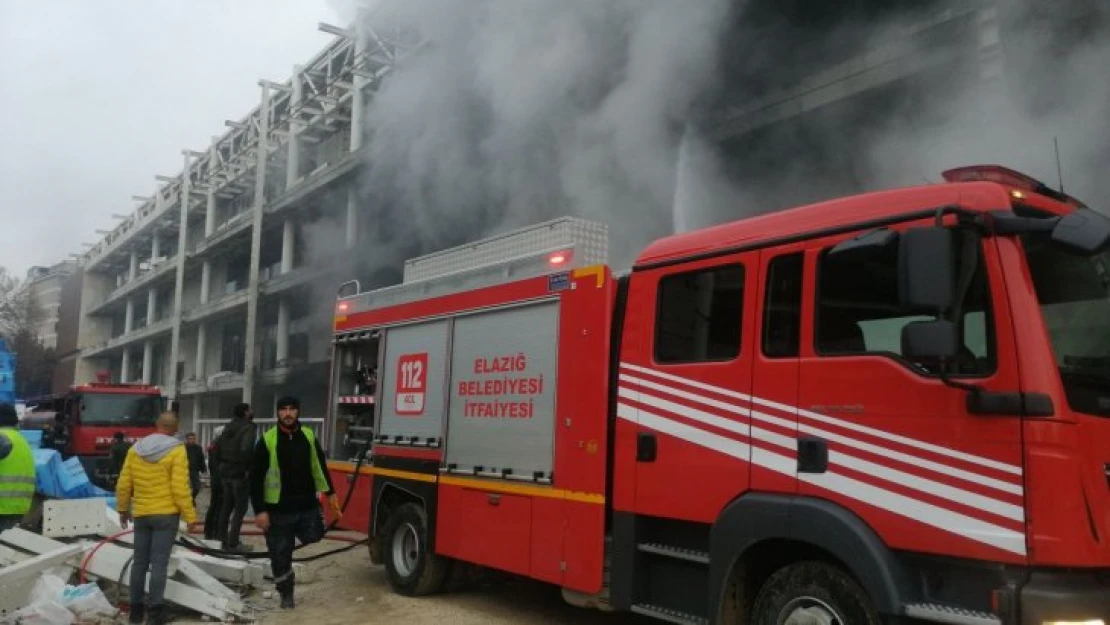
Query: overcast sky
(96, 98)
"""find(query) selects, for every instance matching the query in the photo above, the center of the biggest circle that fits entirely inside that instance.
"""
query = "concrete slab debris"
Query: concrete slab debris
(26, 555)
(74, 517)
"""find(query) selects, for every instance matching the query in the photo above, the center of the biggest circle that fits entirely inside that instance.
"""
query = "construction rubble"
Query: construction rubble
(83, 546)
(77, 569)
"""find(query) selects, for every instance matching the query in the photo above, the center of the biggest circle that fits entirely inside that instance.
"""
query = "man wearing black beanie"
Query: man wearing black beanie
(287, 475)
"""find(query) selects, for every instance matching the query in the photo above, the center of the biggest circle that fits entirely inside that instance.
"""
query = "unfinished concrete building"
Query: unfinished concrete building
(206, 288)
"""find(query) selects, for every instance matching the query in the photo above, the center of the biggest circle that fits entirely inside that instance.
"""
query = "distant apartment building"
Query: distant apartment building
(45, 285)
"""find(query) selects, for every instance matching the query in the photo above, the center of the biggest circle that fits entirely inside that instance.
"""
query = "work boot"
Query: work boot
(156, 615)
(285, 589)
(137, 614)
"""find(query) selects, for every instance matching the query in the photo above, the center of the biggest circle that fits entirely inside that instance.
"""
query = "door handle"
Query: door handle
(646, 447)
(813, 455)
(494, 499)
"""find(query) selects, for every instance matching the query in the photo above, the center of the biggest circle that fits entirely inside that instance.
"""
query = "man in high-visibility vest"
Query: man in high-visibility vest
(288, 473)
(17, 470)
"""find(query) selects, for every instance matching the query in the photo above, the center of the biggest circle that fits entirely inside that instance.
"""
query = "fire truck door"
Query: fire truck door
(882, 435)
(684, 388)
(776, 373)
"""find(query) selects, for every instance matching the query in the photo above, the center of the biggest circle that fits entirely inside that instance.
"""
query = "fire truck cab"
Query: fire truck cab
(885, 408)
(92, 413)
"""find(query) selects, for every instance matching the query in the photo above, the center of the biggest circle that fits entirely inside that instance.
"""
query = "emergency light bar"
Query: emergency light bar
(1006, 176)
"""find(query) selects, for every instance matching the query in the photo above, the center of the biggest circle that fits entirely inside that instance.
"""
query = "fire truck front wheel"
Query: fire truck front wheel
(413, 570)
(812, 593)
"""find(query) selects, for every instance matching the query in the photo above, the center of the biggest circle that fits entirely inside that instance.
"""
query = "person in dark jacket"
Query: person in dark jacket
(196, 463)
(287, 475)
(236, 448)
(215, 489)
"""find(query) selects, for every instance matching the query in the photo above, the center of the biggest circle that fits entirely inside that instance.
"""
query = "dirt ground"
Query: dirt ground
(347, 589)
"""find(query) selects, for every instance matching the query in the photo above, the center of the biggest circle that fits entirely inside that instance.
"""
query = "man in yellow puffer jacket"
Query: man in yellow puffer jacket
(153, 488)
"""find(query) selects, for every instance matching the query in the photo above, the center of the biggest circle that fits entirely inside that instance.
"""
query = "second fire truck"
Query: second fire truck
(91, 414)
(886, 408)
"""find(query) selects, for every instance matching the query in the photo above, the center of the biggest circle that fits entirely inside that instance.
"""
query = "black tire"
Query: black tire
(413, 571)
(813, 585)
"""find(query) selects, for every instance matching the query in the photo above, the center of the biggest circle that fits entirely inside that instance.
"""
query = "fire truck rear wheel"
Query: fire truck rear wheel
(413, 570)
(812, 593)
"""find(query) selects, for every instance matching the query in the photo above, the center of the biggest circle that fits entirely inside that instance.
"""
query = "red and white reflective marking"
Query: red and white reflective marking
(975, 497)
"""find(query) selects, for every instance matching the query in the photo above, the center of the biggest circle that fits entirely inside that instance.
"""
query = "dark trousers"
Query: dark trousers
(285, 529)
(194, 485)
(236, 496)
(215, 505)
(154, 538)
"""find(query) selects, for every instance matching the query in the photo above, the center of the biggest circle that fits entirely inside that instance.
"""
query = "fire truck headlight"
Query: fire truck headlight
(1091, 622)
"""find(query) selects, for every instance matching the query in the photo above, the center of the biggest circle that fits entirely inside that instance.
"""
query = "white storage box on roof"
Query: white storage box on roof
(502, 258)
(588, 241)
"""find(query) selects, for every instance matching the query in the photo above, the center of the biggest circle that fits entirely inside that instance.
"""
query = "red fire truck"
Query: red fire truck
(891, 407)
(92, 413)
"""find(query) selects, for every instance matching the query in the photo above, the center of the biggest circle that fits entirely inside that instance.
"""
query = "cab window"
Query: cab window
(858, 311)
(698, 315)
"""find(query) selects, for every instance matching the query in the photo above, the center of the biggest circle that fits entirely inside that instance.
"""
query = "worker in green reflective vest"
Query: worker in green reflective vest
(17, 470)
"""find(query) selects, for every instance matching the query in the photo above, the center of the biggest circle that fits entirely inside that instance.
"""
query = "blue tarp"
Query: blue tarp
(63, 480)
(33, 438)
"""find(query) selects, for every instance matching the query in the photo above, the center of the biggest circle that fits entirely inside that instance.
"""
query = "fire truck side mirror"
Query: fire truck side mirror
(1082, 232)
(932, 342)
(927, 270)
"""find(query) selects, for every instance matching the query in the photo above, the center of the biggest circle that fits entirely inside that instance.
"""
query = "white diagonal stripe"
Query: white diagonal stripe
(756, 415)
(688, 433)
(690, 413)
(909, 480)
(975, 478)
(910, 442)
(935, 516)
(940, 518)
(939, 489)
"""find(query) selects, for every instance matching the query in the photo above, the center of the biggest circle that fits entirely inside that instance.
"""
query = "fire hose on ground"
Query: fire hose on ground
(188, 542)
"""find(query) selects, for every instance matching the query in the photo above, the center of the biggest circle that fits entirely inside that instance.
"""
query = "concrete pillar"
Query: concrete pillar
(196, 411)
(125, 367)
(205, 281)
(151, 306)
(179, 277)
(202, 344)
(148, 361)
(263, 152)
(358, 103)
(133, 268)
(210, 214)
(155, 249)
(352, 217)
(129, 316)
(283, 331)
(293, 161)
(287, 247)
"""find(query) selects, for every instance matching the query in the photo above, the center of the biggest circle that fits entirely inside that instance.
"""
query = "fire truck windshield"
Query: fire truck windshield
(119, 409)
(1074, 294)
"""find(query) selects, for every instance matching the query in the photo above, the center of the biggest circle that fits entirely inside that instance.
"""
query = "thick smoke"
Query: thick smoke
(518, 111)
(521, 111)
(1050, 91)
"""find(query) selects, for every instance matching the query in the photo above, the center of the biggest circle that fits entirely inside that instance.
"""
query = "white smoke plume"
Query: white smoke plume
(520, 111)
